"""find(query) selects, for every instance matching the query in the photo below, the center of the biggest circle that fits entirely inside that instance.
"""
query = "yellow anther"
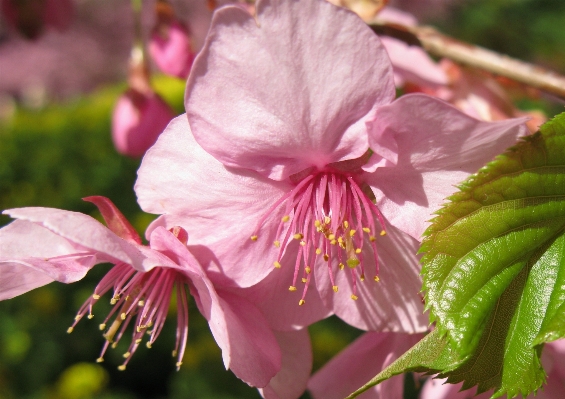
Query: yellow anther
(317, 223)
(362, 277)
(292, 288)
(340, 240)
(70, 330)
(123, 316)
(138, 341)
(301, 302)
(333, 242)
(277, 265)
(353, 262)
(326, 257)
(100, 360)
(140, 303)
(102, 326)
(113, 301)
(307, 270)
(358, 250)
(303, 243)
(114, 345)
(383, 233)
(304, 280)
(335, 288)
(285, 218)
(174, 353)
(346, 224)
(277, 244)
(95, 296)
(78, 317)
(122, 367)
(331, 237)
(372, 238)
(178, 364)
(327, 219)
(352, 232)
(366, 229)
(354, 297)
(318, 251)
(254, 238)
(341, 266)
(298, 236)
(148, 345)
(127, 354)
(90, 316)
(377, 279)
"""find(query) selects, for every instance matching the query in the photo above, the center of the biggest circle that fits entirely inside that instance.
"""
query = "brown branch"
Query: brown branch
(441, 45)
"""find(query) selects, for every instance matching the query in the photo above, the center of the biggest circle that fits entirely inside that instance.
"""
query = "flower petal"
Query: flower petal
(438, 147)
(393, 303)
(280, 306)
(358, 363)
(88, 234)
(218, 207)
(290, 382)
(290, 89)
(24, 248)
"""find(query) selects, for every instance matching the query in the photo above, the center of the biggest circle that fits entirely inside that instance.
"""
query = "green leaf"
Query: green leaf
(494, 268)
(494, 272)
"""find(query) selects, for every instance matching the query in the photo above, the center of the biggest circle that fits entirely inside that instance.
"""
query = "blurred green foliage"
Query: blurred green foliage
(526, 29)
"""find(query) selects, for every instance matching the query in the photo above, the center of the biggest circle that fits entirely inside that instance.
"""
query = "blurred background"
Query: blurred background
(57, 94)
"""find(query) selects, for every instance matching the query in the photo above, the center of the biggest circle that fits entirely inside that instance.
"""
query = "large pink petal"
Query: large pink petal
(392, 304)
(290, 382)
(218, 207)
(279, 305)
(17, 279)
(86, 233)
(24, 249)
(288, 90)
(358, 363)
(438, 147)
(248, 345)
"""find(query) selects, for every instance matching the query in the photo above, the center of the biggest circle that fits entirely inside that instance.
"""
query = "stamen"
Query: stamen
(325, 211)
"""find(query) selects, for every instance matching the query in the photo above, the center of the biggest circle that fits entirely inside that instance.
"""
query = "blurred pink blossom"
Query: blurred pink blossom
(137, 121)
(31, 17)
(140, 115)
(45, 245)
(273, 165)
(170, 44)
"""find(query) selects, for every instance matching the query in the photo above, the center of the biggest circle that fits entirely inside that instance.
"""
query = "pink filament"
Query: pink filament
(331, 216)
(145, 296)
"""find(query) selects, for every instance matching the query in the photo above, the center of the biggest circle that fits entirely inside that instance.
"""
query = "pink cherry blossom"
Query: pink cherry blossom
(358, 363)
(45, 245)
(274, 166)
(31, 17)
(170, 44)
(553, 361)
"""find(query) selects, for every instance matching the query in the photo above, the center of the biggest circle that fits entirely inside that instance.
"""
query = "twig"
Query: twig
(441, 45)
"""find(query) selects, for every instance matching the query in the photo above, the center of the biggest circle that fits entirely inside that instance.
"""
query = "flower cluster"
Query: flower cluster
(295, 187)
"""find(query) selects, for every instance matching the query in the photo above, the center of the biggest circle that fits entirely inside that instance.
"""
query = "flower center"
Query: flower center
(332, 218)
(145, 296)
